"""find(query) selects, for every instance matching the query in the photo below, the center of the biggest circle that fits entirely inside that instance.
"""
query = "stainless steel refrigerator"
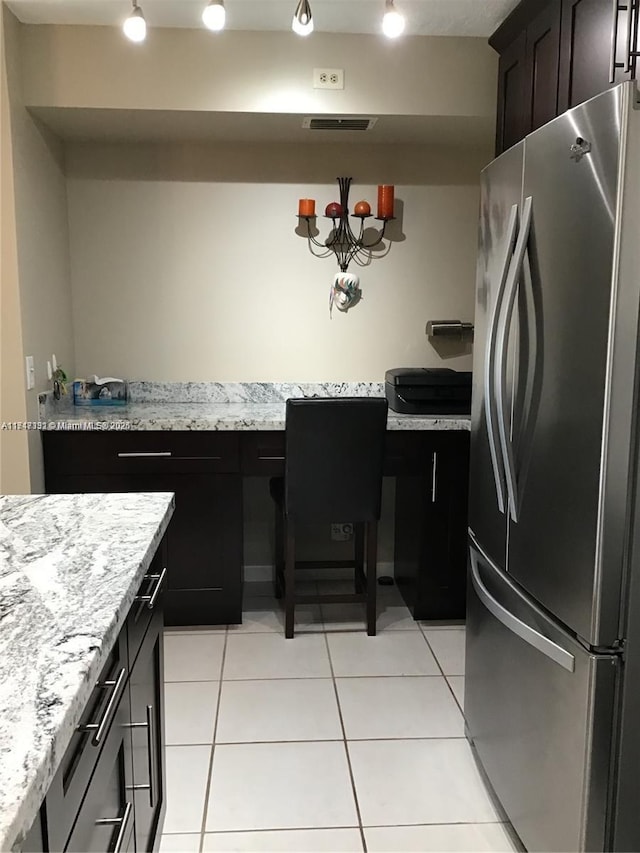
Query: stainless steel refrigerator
(552, 692)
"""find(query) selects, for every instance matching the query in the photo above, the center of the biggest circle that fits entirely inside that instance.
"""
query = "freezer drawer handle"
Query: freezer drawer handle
(517, 626)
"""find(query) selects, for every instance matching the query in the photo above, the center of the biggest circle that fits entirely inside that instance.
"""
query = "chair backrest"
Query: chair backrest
(334, 457)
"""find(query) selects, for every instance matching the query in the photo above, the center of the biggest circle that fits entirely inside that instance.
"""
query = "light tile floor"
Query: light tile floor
(333, 741)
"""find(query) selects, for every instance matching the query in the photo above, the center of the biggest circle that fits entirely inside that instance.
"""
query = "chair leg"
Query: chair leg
(372, 560)
(359, 533)
(289, 580)
(278, 562)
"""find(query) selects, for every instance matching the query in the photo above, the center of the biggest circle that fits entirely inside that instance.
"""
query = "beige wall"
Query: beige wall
(42, 236)
(77, 66)
(186, 264)
(14, 463)
(181, 260)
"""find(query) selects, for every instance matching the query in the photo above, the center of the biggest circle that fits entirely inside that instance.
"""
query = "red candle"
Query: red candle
(307, 207)
(333, 209)
(385, 201)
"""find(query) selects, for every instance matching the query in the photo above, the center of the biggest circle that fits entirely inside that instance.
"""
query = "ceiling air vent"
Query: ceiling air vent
(337, 123)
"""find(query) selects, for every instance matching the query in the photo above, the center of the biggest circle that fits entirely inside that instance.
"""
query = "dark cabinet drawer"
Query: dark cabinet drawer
(70, 782)
(263, 454)
(153, 452)
(149, 598)
(105, 820)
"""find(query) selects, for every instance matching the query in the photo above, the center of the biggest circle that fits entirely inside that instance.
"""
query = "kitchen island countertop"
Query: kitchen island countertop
(70, 566)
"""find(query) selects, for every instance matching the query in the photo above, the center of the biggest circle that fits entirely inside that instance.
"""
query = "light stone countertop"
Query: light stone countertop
(70, 566)
(218, 416)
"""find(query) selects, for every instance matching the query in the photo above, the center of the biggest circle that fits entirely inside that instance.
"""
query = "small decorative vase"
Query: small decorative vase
(345, 291)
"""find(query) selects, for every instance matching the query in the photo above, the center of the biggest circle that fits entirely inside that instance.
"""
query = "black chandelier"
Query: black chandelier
(342, 241)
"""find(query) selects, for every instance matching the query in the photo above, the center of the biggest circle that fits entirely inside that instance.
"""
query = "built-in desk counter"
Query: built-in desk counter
(201, 447)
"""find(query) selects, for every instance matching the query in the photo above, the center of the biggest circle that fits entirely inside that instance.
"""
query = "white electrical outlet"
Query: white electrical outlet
(31, 372)
(341, 532)
(328, 78)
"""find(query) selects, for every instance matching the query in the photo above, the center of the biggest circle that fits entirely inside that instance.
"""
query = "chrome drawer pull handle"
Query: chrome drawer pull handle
(151, 742)
(144, 454)
(118, 821)
(151, 599)
(434, 477)
(151, 757)
(271, 458)
(103, 724)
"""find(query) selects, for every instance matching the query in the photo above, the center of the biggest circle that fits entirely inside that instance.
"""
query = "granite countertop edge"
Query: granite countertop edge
(42, 751)
(223, 416)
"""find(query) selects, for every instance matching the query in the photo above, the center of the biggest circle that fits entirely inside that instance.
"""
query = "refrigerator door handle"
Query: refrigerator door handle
(534, 638)
(490, 361)
(502, 342)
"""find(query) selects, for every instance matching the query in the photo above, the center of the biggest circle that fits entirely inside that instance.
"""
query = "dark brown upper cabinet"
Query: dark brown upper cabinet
(511, 124)
(590, 56)
(556, 55)
(541, 67)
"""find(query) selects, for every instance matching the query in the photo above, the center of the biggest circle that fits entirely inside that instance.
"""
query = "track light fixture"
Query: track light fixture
(302, 23)
(214, 15)
(135, 26)
(393, 22)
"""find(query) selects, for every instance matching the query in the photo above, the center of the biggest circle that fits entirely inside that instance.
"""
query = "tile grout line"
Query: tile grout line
(346, 748)
(435, 657)
(323, 740)
(207, 790)
(313, 678)
(330, 828)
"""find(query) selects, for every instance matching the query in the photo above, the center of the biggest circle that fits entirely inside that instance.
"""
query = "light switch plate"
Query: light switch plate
(31, 372)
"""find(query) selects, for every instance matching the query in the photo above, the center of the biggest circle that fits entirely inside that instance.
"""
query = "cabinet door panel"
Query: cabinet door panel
(430, 529)
(107, 808)
(585, 51)
(542, 62)
(204, 540)
(147, 735)
(511, 124)
(443, 582)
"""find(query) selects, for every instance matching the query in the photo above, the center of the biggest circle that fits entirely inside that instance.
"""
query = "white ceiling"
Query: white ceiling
(424, 17)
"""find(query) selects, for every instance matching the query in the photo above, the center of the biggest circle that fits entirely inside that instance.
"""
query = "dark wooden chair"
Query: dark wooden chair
(333, 472)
